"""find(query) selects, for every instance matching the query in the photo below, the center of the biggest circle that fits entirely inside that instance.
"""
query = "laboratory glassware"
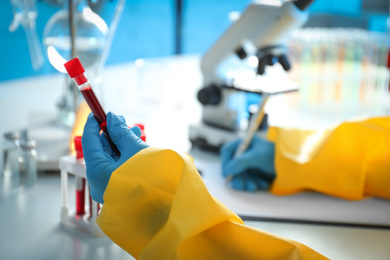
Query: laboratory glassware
(77, 72)
(29, 174)
(110, 36)
(90, 33)
(73, 31)
(25, 14)
(341, 71)
(80, 181)
(11, 155)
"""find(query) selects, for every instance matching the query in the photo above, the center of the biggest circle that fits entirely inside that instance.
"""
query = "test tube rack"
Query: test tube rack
(70, 165)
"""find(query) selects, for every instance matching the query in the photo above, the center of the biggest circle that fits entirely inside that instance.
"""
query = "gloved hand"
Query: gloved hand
(252, 170)
(100, 160)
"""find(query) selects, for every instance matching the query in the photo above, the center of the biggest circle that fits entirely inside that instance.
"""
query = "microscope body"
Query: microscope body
(261, 32)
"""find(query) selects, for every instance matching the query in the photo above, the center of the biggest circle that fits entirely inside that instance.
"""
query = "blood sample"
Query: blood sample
(76, 71)
(80, 182)
(388, 63)
(80, 196)
(388, 59)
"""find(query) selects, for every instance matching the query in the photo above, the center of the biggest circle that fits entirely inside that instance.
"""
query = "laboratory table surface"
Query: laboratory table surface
(30, 215)
(30, 229)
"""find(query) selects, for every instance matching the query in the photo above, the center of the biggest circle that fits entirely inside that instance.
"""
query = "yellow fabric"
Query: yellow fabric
(156, 206)
(351, 162)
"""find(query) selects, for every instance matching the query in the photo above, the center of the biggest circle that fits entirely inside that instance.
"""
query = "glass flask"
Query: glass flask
(84, 37)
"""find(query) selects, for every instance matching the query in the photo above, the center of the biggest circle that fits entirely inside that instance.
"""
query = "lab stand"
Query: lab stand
(70, 165)
(30, 216)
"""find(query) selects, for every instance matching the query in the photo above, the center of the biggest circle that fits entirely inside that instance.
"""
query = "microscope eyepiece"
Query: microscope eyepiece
(284, 62)
(302, 4)
(241, 53)
(210, 95)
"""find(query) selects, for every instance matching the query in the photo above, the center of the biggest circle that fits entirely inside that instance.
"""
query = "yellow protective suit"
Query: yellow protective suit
(351, 161)
(156, 206)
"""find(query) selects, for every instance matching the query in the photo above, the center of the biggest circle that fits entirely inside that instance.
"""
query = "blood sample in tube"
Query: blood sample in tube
(76, 71)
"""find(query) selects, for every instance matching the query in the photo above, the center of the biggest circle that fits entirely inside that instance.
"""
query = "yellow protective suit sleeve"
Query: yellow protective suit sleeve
(351, 162)
(156, 206)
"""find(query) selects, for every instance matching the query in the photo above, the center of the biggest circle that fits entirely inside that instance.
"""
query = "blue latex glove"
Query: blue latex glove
(100, 160)
(252, 170)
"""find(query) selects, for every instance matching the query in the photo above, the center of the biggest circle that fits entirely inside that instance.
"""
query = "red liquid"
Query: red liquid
(99, 114)
(388, 60)
(80, 196)
(95, 107)
(388, 64)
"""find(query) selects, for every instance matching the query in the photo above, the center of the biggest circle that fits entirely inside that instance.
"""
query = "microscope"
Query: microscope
(257, 40)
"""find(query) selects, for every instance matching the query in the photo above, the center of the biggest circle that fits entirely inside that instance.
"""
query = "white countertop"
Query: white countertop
(30, 229)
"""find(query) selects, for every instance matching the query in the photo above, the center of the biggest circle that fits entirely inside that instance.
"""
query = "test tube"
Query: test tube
(76, 71)
(80, 182)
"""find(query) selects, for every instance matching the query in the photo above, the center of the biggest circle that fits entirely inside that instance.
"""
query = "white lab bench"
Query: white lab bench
(30, 216)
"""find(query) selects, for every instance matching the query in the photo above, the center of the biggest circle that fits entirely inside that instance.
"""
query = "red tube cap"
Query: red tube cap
(140, 125)
(78, 147)
(74, 67)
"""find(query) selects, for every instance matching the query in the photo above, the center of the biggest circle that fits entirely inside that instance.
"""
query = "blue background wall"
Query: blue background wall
(146, 28)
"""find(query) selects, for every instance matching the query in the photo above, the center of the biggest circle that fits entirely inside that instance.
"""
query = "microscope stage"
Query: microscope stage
(212, 138)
